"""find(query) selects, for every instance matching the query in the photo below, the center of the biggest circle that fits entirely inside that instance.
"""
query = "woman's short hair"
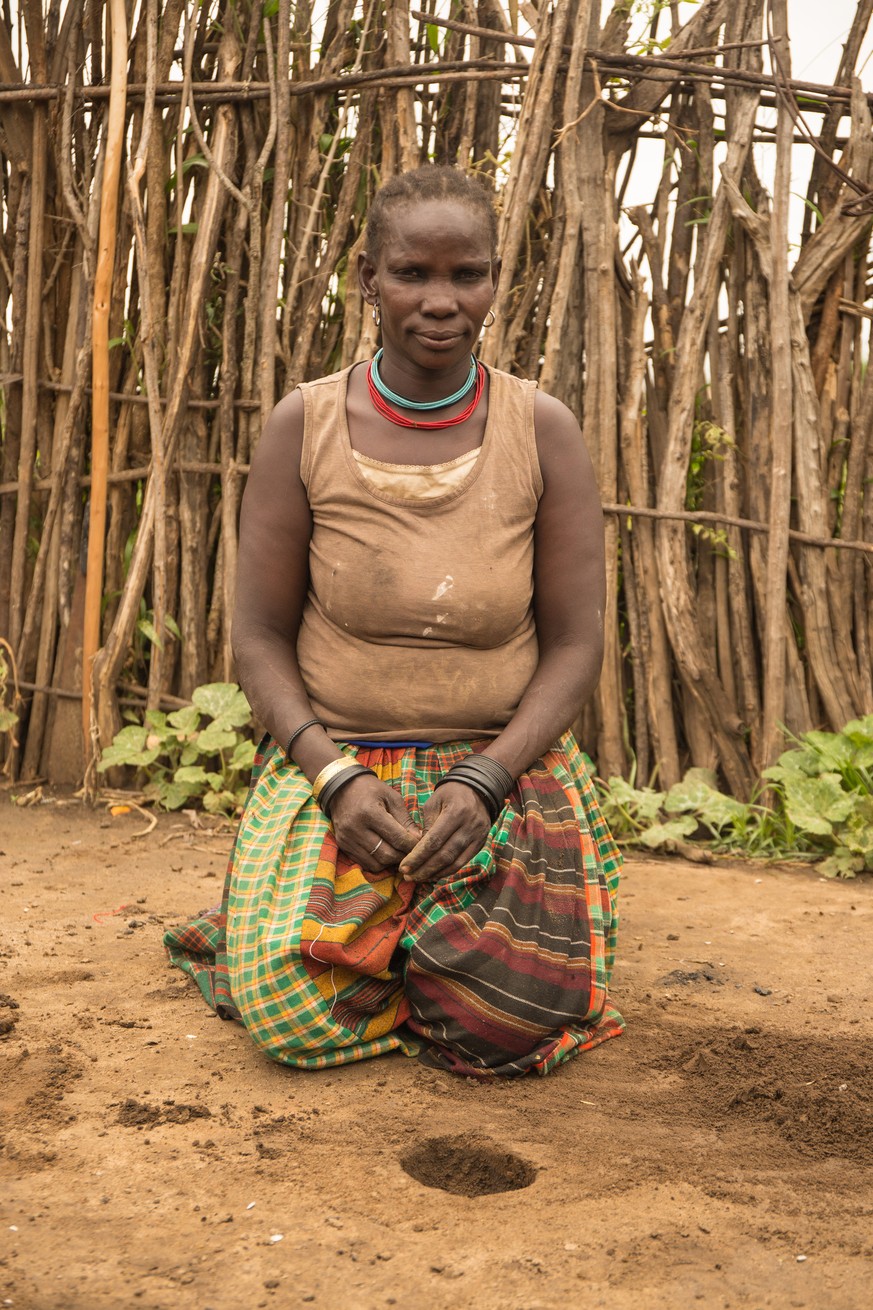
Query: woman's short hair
(430, 182)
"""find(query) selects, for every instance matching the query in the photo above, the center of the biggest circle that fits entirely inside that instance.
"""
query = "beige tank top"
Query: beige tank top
(419, 621)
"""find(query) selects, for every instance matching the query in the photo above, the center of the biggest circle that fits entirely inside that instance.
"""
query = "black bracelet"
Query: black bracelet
(492, 805)
(330, 788)
(310, 723)
(487, 777)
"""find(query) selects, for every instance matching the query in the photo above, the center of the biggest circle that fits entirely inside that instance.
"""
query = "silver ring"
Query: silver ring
(376, 847)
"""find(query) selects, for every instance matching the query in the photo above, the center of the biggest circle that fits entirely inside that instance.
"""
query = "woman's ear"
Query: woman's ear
(496, 266)
(367, 278)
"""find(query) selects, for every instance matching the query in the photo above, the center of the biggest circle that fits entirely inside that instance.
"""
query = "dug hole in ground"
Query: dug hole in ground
(717, 1155)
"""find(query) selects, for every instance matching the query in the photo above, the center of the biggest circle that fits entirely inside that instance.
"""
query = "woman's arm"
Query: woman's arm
(272, 581)
(569, 596)
(569, 592)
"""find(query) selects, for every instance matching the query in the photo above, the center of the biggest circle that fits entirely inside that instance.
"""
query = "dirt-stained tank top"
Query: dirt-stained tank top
(419, 621)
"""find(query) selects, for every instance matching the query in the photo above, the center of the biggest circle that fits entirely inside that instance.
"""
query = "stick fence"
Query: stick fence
(723, 388)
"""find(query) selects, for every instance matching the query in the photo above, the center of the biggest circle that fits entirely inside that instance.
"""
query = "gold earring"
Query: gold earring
(377, 314)
(493, 317)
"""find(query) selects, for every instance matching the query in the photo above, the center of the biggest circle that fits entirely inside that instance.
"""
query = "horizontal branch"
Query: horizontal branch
(123, 397)
(202, 467)
(170, 92)
(642, 67)
(748, 525)
(132, 475)
(135, 695)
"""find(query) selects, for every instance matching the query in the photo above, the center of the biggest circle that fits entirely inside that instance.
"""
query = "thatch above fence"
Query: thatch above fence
(719, 374)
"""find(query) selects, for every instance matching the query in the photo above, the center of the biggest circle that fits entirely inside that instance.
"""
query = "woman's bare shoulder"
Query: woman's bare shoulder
(284, 426)
(560, 446)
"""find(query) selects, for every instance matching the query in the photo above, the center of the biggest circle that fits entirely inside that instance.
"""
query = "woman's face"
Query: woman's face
(434, 279)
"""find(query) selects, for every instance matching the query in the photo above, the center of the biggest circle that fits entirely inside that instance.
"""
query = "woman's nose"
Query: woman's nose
(439, 299)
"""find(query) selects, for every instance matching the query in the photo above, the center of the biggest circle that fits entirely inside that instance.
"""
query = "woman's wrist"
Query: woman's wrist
(484, 775)
(333, 777)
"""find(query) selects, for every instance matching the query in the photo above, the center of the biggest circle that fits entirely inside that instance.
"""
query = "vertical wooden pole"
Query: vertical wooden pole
(114, 149)
(781, 420)
(30, 366)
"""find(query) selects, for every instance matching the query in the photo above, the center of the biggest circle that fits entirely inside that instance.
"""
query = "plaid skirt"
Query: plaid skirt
(500, 969)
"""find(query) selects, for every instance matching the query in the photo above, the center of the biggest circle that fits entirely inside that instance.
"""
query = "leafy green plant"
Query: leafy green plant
(197, 753)
(825, 783)
(819, 807)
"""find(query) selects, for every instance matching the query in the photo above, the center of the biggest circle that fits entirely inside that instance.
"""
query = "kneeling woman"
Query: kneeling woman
(421, 863)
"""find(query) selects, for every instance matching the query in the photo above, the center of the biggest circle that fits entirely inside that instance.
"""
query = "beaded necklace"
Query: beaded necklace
(393, 399)
(378, 392)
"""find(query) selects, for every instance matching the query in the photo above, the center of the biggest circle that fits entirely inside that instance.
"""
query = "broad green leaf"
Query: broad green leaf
(223, 701)
(244, 755)
(185, 720)
(862, 755)
(132, 737)
(833, 749)
(433, 38)
(643, 804)
(661, 834)
(191, 776)
(215, 737)
(860, 731)
(815, 804)
(842, 864)
(802, 760)
(219, 802)
(215, 780)
(173, 795)
(129, 748)
(694, 794)
(122, 755)
(8, 718)
(190, 755)
(156, 720)
(857, 832)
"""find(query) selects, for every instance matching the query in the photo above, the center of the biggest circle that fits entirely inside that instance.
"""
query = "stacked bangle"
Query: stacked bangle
(486, 776)
(332, 777)
(310, 723)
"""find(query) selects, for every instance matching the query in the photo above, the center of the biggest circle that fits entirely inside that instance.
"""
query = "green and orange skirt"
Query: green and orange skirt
(500, 969)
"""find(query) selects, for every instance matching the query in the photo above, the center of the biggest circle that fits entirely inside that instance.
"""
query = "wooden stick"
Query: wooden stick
(27, 450)
(781, 418)
(100, 358)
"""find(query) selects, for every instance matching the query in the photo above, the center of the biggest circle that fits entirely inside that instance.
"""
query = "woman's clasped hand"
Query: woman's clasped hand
(373, 826)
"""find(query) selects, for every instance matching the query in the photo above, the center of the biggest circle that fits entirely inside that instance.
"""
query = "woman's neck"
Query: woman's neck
(419, 384)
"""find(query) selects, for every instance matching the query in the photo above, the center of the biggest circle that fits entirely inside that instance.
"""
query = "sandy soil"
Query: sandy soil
(717, 1155)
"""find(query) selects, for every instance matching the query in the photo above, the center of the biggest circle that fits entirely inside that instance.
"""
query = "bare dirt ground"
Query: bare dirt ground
(718, 1155)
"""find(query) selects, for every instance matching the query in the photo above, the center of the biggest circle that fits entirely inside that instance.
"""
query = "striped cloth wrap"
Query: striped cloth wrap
(500, 969)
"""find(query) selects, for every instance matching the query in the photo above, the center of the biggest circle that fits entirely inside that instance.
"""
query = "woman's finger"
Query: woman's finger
(382, 856)
(440, 846)
(402, 831)
(455, 860)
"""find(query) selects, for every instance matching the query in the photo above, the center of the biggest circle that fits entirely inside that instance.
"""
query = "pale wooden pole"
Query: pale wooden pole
(114, 150)
(781, 421)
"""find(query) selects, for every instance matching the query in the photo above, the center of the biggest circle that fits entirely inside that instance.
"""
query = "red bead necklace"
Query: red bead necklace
(387, 411)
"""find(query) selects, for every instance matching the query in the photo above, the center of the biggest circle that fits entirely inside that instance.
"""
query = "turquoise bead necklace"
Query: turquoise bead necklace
(392, 397)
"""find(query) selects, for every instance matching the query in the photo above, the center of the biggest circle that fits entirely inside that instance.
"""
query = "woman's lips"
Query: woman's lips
(439, 342)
